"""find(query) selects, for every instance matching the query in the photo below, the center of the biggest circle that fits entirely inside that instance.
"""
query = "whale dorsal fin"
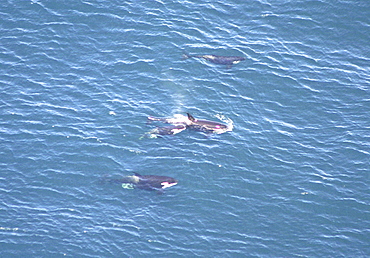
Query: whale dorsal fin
(191, 118)
(137, 174)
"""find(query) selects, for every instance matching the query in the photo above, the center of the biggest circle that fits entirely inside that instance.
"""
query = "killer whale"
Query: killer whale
(206, 126)
(147, 182)
(167, 130)
(180, 123)
(223, 60)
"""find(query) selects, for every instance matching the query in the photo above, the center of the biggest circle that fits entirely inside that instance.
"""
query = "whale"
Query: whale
(222, 60)
(206, 126)
(166, 130)
(180, 123)
(147, 182)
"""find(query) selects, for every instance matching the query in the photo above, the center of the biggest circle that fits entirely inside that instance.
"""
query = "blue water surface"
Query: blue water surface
(80, 78)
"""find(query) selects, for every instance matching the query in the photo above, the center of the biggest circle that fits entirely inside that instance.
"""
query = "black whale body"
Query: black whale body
(168, 130)
(205, 125)
(147, 182)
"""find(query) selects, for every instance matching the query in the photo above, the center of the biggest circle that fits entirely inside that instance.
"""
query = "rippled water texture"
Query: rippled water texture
(80, 78)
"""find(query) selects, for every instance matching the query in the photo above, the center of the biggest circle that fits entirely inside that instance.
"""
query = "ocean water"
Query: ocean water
(80, 78)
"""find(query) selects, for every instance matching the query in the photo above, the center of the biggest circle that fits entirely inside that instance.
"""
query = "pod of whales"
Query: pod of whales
(178, 123)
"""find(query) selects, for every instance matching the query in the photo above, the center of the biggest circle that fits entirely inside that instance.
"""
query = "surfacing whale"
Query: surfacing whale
(206, 126)
(223, 60)
(180, 123)
(168, 130)
(147, 182)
